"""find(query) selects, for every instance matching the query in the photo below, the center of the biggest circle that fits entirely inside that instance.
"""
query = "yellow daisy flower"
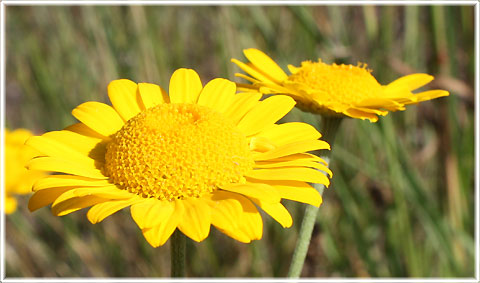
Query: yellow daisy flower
(18, 180)
(335, 90)
(196, 157)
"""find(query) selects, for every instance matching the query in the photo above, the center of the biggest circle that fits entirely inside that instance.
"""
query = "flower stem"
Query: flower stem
(178, 254)
(329, 129)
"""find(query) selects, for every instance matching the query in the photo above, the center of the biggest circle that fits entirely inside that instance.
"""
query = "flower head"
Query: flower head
(335, 90)
(196, 157)
(18, 180)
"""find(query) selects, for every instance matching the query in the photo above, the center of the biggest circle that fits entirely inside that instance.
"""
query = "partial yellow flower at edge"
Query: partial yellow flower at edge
(334, 90)
(18, 180)
(196, 157)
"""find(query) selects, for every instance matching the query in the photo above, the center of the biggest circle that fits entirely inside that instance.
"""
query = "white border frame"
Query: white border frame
(5, 3)
(236, 2)
(2, 154)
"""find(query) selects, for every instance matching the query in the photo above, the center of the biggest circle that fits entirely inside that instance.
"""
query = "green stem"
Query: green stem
(329, 129)
(178, 254)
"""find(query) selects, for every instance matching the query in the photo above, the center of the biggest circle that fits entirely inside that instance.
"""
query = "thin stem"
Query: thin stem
(329, 129)
(178, 254)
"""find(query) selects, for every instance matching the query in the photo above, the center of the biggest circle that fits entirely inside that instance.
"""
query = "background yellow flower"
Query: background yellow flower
(335, 90)
(18, 180)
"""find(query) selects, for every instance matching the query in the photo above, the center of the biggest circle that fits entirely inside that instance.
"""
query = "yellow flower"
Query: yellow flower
(18, 180)
(196, 157)
(335, 90)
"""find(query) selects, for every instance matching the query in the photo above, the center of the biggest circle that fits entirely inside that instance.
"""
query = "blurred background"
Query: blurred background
(402, 199)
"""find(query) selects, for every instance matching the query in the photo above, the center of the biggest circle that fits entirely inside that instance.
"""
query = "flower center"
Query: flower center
(339, 84)
(174, 151)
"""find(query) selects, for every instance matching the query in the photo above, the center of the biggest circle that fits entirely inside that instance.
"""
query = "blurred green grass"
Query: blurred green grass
(401, 203)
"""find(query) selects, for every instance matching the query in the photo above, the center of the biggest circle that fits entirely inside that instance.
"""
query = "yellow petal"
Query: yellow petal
(264, 63)
(74, 204)
(373, 110)
(294, 190)
(123, 95)
(246, 88)
(151, 212)
(404, 99)
(107, 192)
(277, 211)
(306, 195)
(242, 103)
(381, 103)
(218, 94)
(361, 114)
(87, 146)
(408, 83)
(265, 114)
(226, 211)
(250, 79)
(293, 69)
(292, 173)
(53, 148)
(252, 71)
(294, 163)
(196, 219)
(101, 211)
(295, 90)
(22, 185)
(152, 95)
(261, 144)
(10, 205)
(228, 215)
(69, 194)
(53, 181)
(290, 132)
(84, 130)
(237, 234)
(251, 224)
(430, 94)
(53, 164)
(18, 136)
(99, 117)
(297, 156)
(158, 235)
(185, 86)
(293, 148)
(246, 225)
(259, 191)
(45, 197)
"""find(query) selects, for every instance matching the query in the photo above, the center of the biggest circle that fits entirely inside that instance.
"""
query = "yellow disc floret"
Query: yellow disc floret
(339, 84)
(173, 151)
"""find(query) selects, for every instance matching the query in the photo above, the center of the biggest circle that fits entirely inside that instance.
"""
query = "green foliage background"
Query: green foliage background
(401, 203)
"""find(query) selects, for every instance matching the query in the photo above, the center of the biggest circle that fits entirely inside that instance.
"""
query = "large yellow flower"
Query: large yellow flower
(335, 90)
(196, 157)
(18, 180)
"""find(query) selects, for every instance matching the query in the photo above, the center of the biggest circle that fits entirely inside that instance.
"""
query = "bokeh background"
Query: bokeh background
(401, 203)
